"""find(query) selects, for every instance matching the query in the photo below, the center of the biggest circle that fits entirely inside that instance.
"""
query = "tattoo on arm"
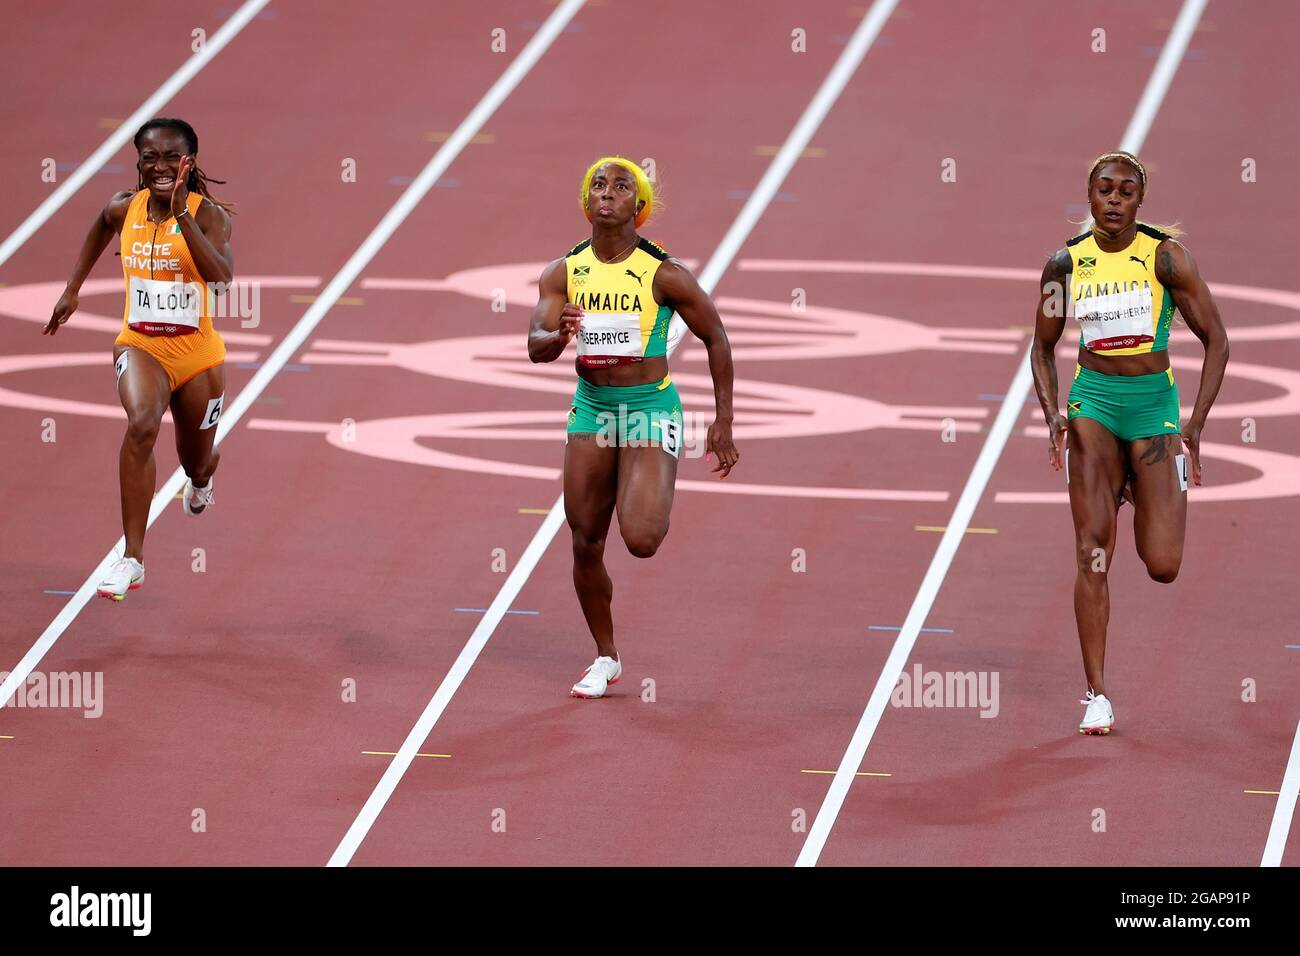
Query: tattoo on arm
(1060, 265)
(1165, 271)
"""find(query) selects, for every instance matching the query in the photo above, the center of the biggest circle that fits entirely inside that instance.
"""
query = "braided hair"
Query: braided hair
(197, 181)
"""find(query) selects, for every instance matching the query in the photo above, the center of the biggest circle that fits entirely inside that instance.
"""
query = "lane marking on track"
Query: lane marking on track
(808, 152)
(126, 128)
(478, 139)
(294, 340)
(1010, 411)
(1285, 809)
(483, 610)
(393, 753)
(860, 773)
(722, 257)
(534, 511)
(1271, 793)
(341, 300)
(924, 630)
(5, 737)
(939, 527)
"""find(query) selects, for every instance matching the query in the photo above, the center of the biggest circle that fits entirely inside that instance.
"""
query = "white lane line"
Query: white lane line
(863, 37)
(713, 270)
(1285, 809)
(1134, 136)
(122, 135)
(472, 123)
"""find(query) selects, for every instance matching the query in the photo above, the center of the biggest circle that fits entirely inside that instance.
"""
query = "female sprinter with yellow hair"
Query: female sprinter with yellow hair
(1125, 280)
(616, 293)
(175, 243)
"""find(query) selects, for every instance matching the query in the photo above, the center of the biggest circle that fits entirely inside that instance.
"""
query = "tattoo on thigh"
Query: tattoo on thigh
(1157, 451)
(582, 436)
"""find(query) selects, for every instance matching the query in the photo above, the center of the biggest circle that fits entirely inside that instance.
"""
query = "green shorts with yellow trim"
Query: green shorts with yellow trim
(619, 415)
(1130, 406)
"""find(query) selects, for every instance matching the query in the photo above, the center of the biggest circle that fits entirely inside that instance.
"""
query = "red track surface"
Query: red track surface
(222, 689)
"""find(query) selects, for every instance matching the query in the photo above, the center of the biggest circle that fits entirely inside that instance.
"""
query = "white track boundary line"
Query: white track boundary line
(1282, 813)
(472, 123)
(863, 37)
(735, 237)
(1017, 393)
(123, 134)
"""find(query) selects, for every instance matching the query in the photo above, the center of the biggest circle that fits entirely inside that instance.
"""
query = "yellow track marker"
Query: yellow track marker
(861, 11)
(1271, 793)
(810, 152)
(478, 139)
(860, 773)
(1026, 329)
(341, 300)
(5, 737)
(1204, 26)
(534, 511)
(393, 753)
(934, 527)
(110, 123)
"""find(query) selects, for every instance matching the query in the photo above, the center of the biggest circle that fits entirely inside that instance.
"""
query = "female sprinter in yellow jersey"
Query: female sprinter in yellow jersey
(175, 243)
(1125, 279)
(616, 293)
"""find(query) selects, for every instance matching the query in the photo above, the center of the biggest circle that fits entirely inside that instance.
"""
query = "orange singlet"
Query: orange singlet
(168, 305)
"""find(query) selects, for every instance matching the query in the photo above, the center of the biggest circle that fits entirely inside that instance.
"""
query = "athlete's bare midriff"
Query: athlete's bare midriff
(646, 372)
(1146, 364)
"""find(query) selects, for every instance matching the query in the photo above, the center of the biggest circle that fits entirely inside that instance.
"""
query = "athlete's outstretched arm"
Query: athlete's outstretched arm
(676, 287)
(1178, 273)
(106, 225)
(555, 320)
(1048, 326)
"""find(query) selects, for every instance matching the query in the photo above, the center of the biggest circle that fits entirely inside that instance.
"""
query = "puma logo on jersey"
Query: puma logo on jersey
(629, 272)
(1143, 261)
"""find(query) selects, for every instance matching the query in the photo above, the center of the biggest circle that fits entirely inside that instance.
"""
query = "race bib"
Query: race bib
(213, 414)
(1180, 465)
(609, 338)
(164, 308)
(670, 436)
(1119, 320)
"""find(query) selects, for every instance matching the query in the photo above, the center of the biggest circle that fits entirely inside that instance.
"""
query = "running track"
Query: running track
(328, 560)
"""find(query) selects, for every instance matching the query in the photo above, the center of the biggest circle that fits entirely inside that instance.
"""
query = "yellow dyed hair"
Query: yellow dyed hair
(645, 192)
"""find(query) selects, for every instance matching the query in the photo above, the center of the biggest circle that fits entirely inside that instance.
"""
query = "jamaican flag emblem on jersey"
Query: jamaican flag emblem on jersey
(1087, 266)
(581, 272)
